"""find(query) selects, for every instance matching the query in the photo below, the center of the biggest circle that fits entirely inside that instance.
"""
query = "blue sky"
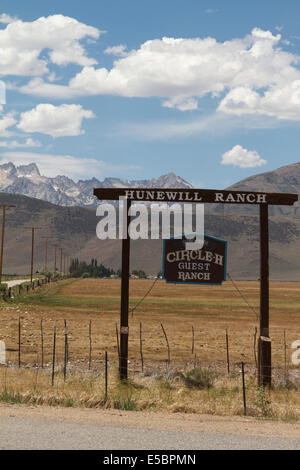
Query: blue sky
(207, 89)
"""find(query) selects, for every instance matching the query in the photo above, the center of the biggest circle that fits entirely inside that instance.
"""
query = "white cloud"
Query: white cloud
(11, 144)
(57, 121)
(241, 157)
(76, 168)
(6, 19)
(116, 50)
(182, 71)
(183, 104)
(248, 75)
(281, 101)
(7, 121)
(21, 44)
(38, 87)
(2, 93)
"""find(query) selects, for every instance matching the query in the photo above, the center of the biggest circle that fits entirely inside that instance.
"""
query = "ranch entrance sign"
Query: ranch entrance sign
(203, 196)
(205, 266)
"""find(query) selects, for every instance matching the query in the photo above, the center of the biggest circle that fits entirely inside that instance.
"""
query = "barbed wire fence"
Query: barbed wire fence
(84, 353)
(32, 348)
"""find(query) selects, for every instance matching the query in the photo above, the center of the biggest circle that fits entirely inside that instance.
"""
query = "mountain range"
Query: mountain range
(61, 190)
(74, 228)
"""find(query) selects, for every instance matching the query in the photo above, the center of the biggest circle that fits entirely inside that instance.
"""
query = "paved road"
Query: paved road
(28, 433)
(15, 282)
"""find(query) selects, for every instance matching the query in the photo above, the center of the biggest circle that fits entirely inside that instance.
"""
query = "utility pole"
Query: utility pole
(64, 264)
(55, 253)
(61, 255)
(4, 207)
(46, 254)
(32, 249)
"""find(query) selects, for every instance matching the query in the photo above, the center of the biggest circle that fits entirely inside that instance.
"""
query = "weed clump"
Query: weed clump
(199, 378)
(263, 403)
(11, 397)
(124, 403)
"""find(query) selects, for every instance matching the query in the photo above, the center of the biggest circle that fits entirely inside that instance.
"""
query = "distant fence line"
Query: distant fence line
(26, 287)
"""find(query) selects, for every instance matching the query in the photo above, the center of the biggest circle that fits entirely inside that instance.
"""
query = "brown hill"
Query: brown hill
(285, 179)
(74, 229)
(69, 227)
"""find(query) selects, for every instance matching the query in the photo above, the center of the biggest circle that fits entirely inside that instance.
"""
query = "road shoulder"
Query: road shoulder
(235, 425)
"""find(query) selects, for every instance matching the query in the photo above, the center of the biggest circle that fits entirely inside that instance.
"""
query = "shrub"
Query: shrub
(11, 397)
(199, 378)
(263, 403)
(3, 288)
(124, 403)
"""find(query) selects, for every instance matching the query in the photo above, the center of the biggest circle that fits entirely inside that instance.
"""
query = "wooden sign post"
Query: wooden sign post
(124, 327)
(203, 196)
(264, 341)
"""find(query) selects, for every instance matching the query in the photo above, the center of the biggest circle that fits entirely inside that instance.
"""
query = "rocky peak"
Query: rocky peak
(9, 168)
(61, 190)
(28, 170)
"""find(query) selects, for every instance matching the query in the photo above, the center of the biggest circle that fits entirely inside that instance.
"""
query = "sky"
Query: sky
(209, 90)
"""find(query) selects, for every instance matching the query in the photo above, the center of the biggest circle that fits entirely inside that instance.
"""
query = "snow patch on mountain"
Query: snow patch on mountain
(61, 190)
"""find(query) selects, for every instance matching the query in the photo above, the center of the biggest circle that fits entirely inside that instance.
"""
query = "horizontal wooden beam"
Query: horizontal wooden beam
(196, 195)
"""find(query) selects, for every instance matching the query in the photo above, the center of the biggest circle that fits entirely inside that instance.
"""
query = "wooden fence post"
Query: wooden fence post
(264, 361)
(90, 340)
(42, 343)
(254, 346)
(285, 358)
(19, 343)
(141, 347)
(118, 344)
(53, 356)
(106, 375)
(66, 351)
(193, 339)
(227, 352)
(195, 361)
(166, 342)
(244, 389)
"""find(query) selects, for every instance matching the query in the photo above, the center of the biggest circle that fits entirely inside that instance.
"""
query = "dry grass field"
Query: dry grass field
(209, 310)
